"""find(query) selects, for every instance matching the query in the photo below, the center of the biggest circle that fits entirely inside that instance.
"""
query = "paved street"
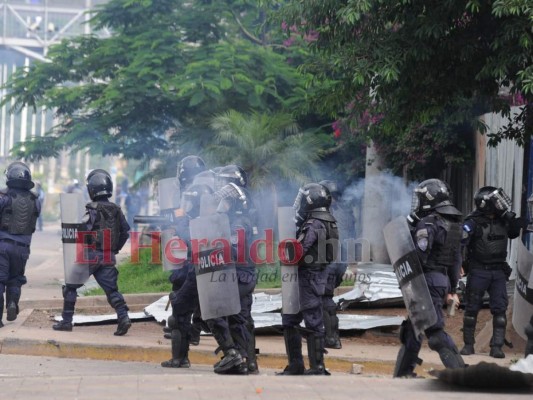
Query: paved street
(28, 377)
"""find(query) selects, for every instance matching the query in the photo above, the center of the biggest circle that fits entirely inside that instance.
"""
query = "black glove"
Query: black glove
(508, 215)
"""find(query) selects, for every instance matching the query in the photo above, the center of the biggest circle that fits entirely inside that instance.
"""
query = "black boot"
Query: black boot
(124, 324)
(469, 330)
(499, 323)
(68, 313)
(293, 347)
(180, 351)
(406, 363)
(232, 358)
(12, 300)
(253, 368)
(315, 352)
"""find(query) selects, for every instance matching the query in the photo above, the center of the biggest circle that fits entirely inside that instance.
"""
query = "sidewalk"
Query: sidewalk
(32, 333)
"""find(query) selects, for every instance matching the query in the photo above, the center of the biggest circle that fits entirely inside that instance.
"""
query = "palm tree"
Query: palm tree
(270, 148)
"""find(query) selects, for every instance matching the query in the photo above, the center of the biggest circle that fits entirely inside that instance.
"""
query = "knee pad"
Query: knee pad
(438, 342)
(70, 294)
(116, 300)
(499, 321)
(470, 320)
(172, 323)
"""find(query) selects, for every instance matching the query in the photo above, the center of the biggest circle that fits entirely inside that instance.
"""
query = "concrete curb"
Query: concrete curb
(55, 348)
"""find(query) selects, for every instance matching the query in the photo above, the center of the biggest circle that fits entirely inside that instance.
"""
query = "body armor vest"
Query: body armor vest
(325, 250)
(20, 217)
(489, 242)
(107, 219)
(445, 255)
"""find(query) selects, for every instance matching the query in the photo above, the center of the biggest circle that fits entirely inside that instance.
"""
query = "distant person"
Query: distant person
(40, 197)
(74, 187)
(19, 210)
(101, 215)
(133, 205)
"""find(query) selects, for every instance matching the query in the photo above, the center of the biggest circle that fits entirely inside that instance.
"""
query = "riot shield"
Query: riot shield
(169, 194)
(169, 200)
(208, 204)
(410, 275)
(523, 294)
(72, 207)
(289, 272)
(216, 275)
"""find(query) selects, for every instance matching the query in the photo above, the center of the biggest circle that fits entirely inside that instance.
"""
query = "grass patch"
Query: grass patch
(141, 277)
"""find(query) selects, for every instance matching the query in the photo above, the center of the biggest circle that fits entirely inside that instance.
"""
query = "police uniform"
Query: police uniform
(101, 215)
(184, 301)
(317, 235)
(486, 238)
(19, 210)
(436, 232)
(237, 331)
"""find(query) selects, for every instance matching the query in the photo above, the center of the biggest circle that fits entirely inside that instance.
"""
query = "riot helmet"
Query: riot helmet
(18, 175)
(332, 187)
(99, 184)
(312, 197)
(188, 168)
(231, 174)
(430, 195)
(191, 198)
(491, 200)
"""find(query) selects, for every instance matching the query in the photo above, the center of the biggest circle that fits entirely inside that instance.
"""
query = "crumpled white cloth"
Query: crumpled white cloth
(524, 365)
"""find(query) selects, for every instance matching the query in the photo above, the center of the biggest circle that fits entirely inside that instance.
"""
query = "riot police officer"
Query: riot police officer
(102, 217)
(236, 332)
(184, 295)
(436, 231)
(19, 210)
(486, 233)
(336, 270)
(188, 168)
(318, 235)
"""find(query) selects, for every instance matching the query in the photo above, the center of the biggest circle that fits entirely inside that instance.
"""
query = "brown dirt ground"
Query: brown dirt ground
(383, 336)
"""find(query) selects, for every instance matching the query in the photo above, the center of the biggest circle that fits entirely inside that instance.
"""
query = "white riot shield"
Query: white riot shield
(523, 294)
(208, 204)
(289, 272)
(216, 275)
(410, 275)
(169, 200)
(72, 210)
(174, 250)
(169, 194)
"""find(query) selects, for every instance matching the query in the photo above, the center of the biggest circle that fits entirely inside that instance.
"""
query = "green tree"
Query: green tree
(168, 67)
(408, 68)
(269, 147)
(274, 152)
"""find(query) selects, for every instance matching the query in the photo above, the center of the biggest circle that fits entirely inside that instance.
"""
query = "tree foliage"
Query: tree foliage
(413, 68)
(168, 67)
